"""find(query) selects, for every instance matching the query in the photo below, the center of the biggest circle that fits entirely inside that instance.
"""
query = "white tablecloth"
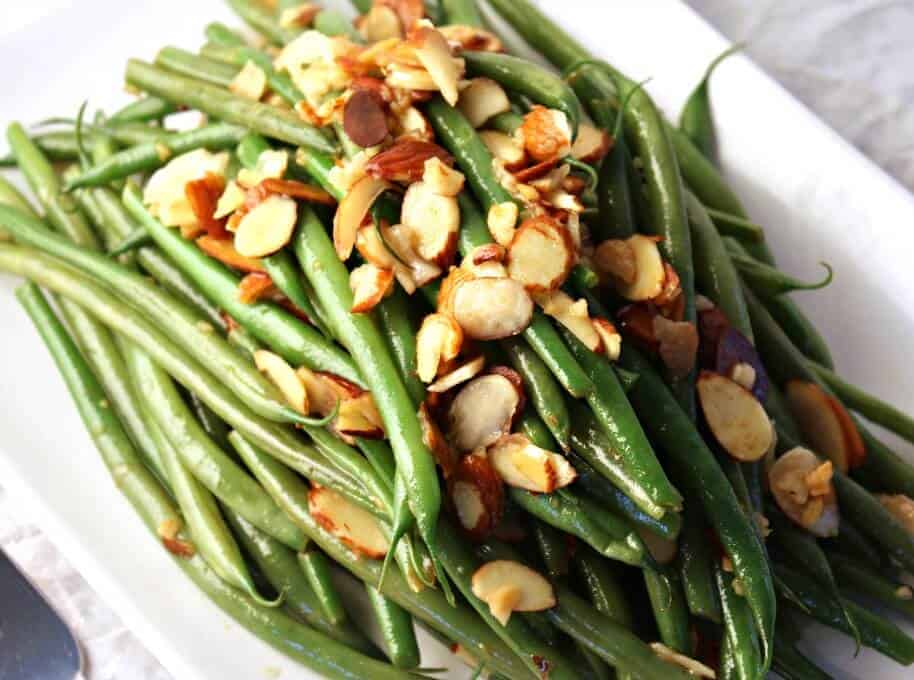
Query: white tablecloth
(851, 61)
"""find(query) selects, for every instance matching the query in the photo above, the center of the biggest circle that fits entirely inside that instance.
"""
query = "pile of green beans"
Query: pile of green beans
(659, 538)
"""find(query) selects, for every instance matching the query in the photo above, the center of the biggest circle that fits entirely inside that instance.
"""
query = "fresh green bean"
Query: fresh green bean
(697, 568)
(601, 586)
(865, 580)
(238, 56)
(220, 34)
(849, 541)
(396, 627)
(267, 120)
(316, 568)
(767, 281)
(790, 664)
(398, 327)
(882, 468)
(696, 119)
(333, 23)
(193, 65)
(462, 13)
(671, 612)
(262, 20)
(506, 122)
(11, 196)
(553, 549)
(739, 628)
(736, 227)
(135, 240)
(142, 110)
(615, 188)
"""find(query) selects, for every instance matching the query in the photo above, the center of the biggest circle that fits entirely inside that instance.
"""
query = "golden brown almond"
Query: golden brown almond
(405, 161)
(504, 148)
(266, 228)
(203, 195)
(445, 455)
(508, 586)
(501, 221)
(591, 144)
(439, 339)
(408, 11)
(441, 178)
(403, 239)
(677, 345)
(482, 412)
(472, 38)
(455, 276)
(616, 258)
(824, 423)
(380, 24)
(434, 53)
(254, 286)
(458, 375)
(650, 272)
(284, 377)
(610, 340)
(736, 418)
(572, 314)
(546, 133)
(250, 82)
(491, 308)
(524, 465)
(295, 189)
(540, 255)
(352, 210)
(477, 495)
(482, 99)
(351, 524)
(224, 251)
(369, 285)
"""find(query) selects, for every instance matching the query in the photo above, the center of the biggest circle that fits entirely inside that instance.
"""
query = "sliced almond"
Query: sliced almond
(364, 118)
(486, 261)
(322, 397)
(266, 228)
(254, 286)
(405, 160)
(901, 507)
(369, 285)
(616, 258)
(439, 339)
(472, 38)
(203, 197)
(677, 345)
(296, 189)
(459, 375)
(299, 16)
(824, 423)
(591, 144)
(504, 147)
(482, 412)
(687, 663)
(354, 526)
(370, 246)
(409, 11)
(541, 254)
(508, 586)
(381, 23)
(414, 125)
(435, 220)
(359, 417)
(441, 178)
(501, 221)
(224, 251)
(352, 210)
(482, 99)
(736, 418)
(489, 308)
(802, 487)
(546, 133)
(524, 465)
(232, 199)
(403, 240)
(250, 83)
(164, 193)
(650, 273)
(477, 495)
(455, 276)
(434, 53)
(610, 340)
(271, 164)
(445, 455)
(573, 315)
(284, 377)
(410, 78)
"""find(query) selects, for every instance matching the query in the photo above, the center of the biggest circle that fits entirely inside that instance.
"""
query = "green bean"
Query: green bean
(579, 517)
(864, 579)
(220, 34)
(767, 281)
(715, 274)
(736, 227)
(506, 122)
(152, 155)
(238, 56)
(135, 240)
(156, 508)
(739, 628)
(541, 388)
(288, 336)
(396, 627)
(316, 568)
(671, 613)
(849, 541)
(362, 6)
(261, 20)
(790, 664)
(457, 623)
(186, 63)
(218, 102)
(697, 569)
(11, 196)
(553, 549)
(628, 445)
(626, 378)
(214, 427)
(525, 77)
(696, 119)
(462, 13)
(799, 329)
(143, 110)
(601, 586)
(882, 468)
(333, 23)
(56, 146)
(615, 199)
(875, 632)
(398, 327)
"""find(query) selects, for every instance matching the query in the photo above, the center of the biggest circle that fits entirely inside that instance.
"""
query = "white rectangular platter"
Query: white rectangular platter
(818, 198)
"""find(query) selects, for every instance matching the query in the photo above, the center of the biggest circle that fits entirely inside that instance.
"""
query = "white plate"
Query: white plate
(818, 198)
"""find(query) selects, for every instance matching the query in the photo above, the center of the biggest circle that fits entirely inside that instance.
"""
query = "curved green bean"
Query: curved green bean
(396, 627)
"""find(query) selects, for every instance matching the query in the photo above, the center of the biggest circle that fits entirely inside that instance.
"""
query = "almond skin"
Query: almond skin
(364, 118)
(478, 473)
(405, 161)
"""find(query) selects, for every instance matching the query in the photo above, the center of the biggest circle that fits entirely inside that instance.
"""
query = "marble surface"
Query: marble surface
(850, 61)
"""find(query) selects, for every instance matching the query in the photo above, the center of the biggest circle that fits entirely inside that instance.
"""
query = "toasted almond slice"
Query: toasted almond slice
(736, 418)
(250, 83)
(503, 147)
(352, 211)
(821, 421)
(370, 246)
(481, 99)
(572, 314)
(296, 189)
(541, 254)
(164, 193)
(405, 160)
(284, 377)
(546, 133)
(271, 164)
(322, 396)
(381, 23)
(445, 454)
(489, 308)
(354, 526)
(508, 586)
(441, 178)
(692, 666)
(299, 16)
(901, 507)
(439, 339)
(408, 78)
(232, 199)
(254, 286)
(402, 239)
(591, 144)
(610, 339)
(650, 273)
(369, 285)
(793, 478)
(486, 261)
(359, 417)
(266, 228)
(501, 220)
(459, 375)
(524, 465)
(482, 412)
(414, 125)
(472, 38)
(435, 221)
(364, 118)
(434, 53)
(616, 258)
(224, 251)
(478, 496)
(455, 276)
(677, 345)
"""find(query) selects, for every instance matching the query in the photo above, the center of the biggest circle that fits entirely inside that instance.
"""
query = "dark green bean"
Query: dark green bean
(393, 316)
(615, 189)
(601, 586)
(396, 627)
(506, 122)
(849, 541)
(553, 549)
(697, 568)
(767, 281)
(262, 20)
(790, 664)
(214, 427)
(882, 468)
(626, 378)
(136, 239)
(739, 628)
(696, 119)
(736, 227)
(671, 613)
(316, 568)
(865, 580)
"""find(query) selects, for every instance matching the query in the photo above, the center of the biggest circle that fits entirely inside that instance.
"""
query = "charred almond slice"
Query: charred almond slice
(433, 438)
(508, 586)
(541, 254)
(482, 412)
(439, 339)
(472, 38)
(224, 251)
(435, 221)
(405, 161)
(521, 464)
(284, 377)
(230, 200)
(352, 210)
(573, 315)
(369, 285)
(266, 228)
(354, 526)
(482, 99)
(677, 345)
(736, 418)
(802, 487)
(591, 144)
(822, 426)
(503, 147)
(610, 340)
(441, 178)
(250, 83)
(616, 258)
(299, 190)
(650, 273)
(901, 508)
(478, 496)
(299, 16)
(486, 261)
(459, 375)
(501, 220)
(546, 133)
(490, 309)
(364, 118)
(434, 53)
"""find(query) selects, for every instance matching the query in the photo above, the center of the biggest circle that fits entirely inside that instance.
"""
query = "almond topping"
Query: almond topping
(490, 309)
(501, 220)
(300, 16)
(678, 345)
(736, 418)
(591, 144)
(546, 133)
(472, 38)
(482, 412)
(250, 83)
(788, 481)
(573, 315)
(295, 189)
(284, 377)
(508, 586)
(610, 340)
(203, 197)
(381, 23)
(224, 251)
(439, 339)
(459, 375)
(364, 118)
(650, 273)
(441, 178)
(232, 198)
(504, 148)
(482, 99)
(266, 228)
(403, 240)
(434, 221)
(405, 161)
(353, 525)
(901, 507)
(435, 55)
(352, 210)
(477, 495)
(521, 464)
(359, 417)
(486, 261)
(369, 285)
(432, 437)
(825, 424)
(616, 258)
(254, 286)
(541, 254)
